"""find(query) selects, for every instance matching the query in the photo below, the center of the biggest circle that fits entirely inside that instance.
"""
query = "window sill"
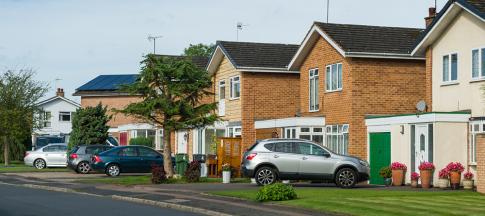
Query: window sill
(232, 99)
(477, 80)
(312, 111)
(473, 164)
(332, 91)
(449, 83)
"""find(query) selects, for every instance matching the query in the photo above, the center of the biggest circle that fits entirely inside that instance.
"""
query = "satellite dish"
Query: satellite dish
(421, 106)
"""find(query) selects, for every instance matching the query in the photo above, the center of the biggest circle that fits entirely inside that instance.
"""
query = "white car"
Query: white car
(52, 155)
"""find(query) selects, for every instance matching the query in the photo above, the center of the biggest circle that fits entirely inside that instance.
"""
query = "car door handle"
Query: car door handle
(304, 158)
(276, 156)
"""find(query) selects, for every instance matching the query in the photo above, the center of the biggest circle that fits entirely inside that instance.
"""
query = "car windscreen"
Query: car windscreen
(43, 141)
(96, 149)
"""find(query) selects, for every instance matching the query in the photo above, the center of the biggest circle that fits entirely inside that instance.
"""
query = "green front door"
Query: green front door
(380, 155)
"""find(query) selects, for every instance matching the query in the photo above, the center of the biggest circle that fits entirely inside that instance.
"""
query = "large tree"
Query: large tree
(90, 126)
(172, 91)
(19, 92)
(199, 50)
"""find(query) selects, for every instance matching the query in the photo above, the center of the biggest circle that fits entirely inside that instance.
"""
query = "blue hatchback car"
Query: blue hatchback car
(126, 159)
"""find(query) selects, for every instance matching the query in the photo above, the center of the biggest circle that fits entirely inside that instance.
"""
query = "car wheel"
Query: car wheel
(83, 168)
(346, 178)
(265, 176)
(39, 164)
(113, 170)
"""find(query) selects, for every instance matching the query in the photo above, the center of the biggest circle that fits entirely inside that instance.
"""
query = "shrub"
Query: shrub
(444, 174)
(468, 176)
(385, 172)
(144, 141)
(414, 176)
(158, 174)
(426, 166)
(455, 167)
(398, 166)
(192, 174)
(276, 192)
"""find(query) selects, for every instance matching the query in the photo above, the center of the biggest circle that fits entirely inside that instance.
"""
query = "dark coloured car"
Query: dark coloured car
(126, 159)
(79, 158)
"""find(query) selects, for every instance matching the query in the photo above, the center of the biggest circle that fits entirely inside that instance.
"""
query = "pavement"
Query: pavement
(187, 197)
(21, 201)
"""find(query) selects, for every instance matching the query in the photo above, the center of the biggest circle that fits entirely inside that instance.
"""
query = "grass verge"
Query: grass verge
(18, 166)
(145, 179)
(380, 202)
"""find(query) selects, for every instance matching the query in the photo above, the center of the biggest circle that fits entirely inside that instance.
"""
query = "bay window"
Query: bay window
(337, 138)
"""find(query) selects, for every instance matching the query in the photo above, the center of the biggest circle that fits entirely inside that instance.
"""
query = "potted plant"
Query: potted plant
(386, 173)
(414, 179)
(455, 170)
(226, 173)
(443, 178)
(426, 170)
(468, 180)
(398, 173)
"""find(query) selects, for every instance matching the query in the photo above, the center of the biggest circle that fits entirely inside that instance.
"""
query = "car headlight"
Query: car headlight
(364, 163)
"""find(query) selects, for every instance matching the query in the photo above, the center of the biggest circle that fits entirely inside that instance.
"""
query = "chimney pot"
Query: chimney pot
(431, 15)
(60, 92)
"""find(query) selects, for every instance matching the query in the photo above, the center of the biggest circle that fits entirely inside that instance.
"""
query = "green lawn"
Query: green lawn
(145, 179)
(18, 166)
(380, 202)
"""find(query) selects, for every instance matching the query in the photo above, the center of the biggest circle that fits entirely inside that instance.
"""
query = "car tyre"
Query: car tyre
(113, 170)
(265, 176)
(40, 164)
(346, 178)
(83, 168)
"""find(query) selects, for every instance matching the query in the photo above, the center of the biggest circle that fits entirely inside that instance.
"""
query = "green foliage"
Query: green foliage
(199, 50)
(89, 126)
(385, 172)
(144, 141)
(276, 192)
(19, 94)
(192, 174)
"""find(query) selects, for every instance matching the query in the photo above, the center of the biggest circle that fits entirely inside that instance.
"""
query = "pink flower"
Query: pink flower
(398, 166)
(414, 176)
(455, 167)
(468, 175)
(444, 174)
(426, 166)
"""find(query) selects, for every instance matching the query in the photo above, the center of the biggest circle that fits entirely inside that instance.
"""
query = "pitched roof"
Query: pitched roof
(258, 55)
(371, 39)
(199, 61)
(58, 98)
(444, 18)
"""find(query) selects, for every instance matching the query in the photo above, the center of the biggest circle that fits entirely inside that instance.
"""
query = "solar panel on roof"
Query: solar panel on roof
(108, 82)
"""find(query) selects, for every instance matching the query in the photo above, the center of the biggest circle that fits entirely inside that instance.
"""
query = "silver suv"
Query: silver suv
(295, 159)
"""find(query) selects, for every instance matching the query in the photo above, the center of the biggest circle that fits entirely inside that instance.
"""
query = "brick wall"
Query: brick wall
(117, 102)
(429, 79)
(480, 163)
(370, 86)
(266, 96)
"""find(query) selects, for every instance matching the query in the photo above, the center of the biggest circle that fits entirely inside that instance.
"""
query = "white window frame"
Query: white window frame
(236, 131)
(233, 83)
(46, 119)
(329, 79)
(476, 127)
(480, 76)
(449, 81)
(341, 147)
(64, 113)
(222, 83)
(312, 76)
(311, 133)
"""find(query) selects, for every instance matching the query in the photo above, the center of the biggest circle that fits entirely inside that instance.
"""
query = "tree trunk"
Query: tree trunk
(167, 154)
(5, 151)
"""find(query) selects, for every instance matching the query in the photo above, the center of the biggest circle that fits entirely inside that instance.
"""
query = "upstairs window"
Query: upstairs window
(222, 90)
(235, 87)
(333, 77)
(46, 119)
(65, 116)
(478, 63)
(450, 67)
(314, 106)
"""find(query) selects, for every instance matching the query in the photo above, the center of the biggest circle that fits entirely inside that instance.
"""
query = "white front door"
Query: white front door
(182, 138)
(290, 133)
(421, 146)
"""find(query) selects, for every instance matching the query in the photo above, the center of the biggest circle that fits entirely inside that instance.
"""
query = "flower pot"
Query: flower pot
(414, 183)
(455, 178)
(443, 183)
(226, 177)
(387, 182)
(397, 177)
(468, 184)
(426, 176)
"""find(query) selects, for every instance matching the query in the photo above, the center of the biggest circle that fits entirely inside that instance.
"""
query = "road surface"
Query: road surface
(35, 202)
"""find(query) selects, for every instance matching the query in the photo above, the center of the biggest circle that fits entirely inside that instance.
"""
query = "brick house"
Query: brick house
(452, 128)
(348, 72)
(252, 83)
(105, 89)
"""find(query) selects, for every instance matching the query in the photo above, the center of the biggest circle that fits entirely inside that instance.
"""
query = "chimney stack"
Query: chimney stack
(431, 16)
(60, 92)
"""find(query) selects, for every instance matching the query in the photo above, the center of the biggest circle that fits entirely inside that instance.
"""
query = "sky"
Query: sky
(74, 41)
